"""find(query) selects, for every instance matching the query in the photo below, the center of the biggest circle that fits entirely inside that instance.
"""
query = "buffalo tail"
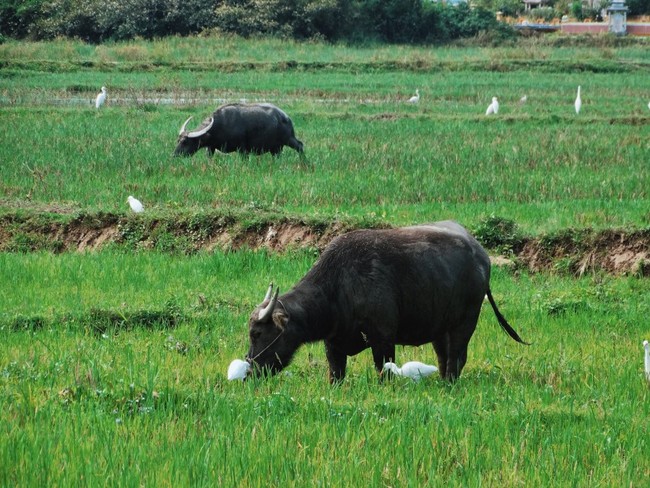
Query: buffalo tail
(503, 322)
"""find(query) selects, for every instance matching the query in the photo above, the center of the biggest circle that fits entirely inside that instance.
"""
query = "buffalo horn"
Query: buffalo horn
(268, 310)
(180, 132)
(200, 132)
(268, 293)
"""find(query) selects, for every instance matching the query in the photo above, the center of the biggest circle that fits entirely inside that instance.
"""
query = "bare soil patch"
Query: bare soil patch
(579, 252)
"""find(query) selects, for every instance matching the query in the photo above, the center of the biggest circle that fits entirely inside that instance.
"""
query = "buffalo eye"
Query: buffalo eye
(255, 334)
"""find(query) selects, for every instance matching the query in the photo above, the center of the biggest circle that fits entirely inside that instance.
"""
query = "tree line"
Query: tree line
(355, 21)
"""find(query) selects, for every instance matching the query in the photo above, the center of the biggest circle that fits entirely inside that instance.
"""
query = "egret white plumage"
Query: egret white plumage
(101, 98)
(578, 102)
(523, 99)
(648, 105)
(646, 346)
(238, 369)
(493, 108)
(415, 98)
(135, 204)
(413, 369)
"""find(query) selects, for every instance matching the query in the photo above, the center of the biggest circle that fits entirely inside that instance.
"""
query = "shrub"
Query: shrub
(544, 14)
(638, 7)
(298, 19)
(576, 10)
(500, 234)
(509, 8)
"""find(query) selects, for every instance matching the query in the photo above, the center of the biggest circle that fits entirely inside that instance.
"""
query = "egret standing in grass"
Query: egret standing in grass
(493, 108)
(135, 204)
(578, 102)
(646, 346)
(523, 99)
(413, 369)
(101, 98)
(415, 98)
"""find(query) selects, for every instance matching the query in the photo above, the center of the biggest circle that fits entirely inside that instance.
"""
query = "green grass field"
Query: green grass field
(113, 363)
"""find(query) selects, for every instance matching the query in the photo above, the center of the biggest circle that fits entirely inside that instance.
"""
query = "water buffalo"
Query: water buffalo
(376, 289)
(248, 128)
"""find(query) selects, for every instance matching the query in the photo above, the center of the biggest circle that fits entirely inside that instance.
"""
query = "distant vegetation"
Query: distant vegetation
(360, 21)
(404, 21)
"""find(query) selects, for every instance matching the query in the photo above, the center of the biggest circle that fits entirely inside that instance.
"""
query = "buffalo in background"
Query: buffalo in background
(378, 288)
(247, 128)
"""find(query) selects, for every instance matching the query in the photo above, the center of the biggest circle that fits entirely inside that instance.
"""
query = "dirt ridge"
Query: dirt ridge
(571, 251)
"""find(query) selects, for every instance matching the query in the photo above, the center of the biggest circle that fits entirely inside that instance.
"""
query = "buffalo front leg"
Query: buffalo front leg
(382, 354)
(337, 361)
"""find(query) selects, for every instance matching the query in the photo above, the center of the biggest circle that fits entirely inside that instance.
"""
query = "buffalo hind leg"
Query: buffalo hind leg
(337, 361)
(456, 362)
(457, 346)
(441, 347)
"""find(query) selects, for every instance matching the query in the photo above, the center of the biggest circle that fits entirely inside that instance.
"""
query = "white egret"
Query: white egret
(646, 346)
(238, 370)
(578, 102)
(648, 105)
(493, 108)
(413, 369)
(101, 98)
(523, 99)
(415, 98)
(135, 204)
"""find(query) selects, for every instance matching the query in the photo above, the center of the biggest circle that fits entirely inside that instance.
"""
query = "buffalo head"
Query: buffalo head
(272, 341)
(191, 141)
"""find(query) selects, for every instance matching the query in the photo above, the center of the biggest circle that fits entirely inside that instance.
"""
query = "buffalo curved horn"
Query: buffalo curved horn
(268, 293)
(180, 132)
(200, 132)
(266, 312)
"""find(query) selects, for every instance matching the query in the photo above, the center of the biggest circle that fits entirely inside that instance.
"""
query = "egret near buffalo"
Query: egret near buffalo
(415, 98)
(578, 102)
(238, 370)
(135, 204)
(493, 108)
(413, 369)
(101, 98)
(646, 346)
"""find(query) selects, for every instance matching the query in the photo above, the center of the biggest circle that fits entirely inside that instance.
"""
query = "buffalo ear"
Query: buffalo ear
(280, 319)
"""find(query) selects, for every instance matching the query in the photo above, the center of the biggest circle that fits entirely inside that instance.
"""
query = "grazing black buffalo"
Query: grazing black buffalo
(248, 128)
(376, 289)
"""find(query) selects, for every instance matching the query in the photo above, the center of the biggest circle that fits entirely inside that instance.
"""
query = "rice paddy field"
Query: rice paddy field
(113, 361)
